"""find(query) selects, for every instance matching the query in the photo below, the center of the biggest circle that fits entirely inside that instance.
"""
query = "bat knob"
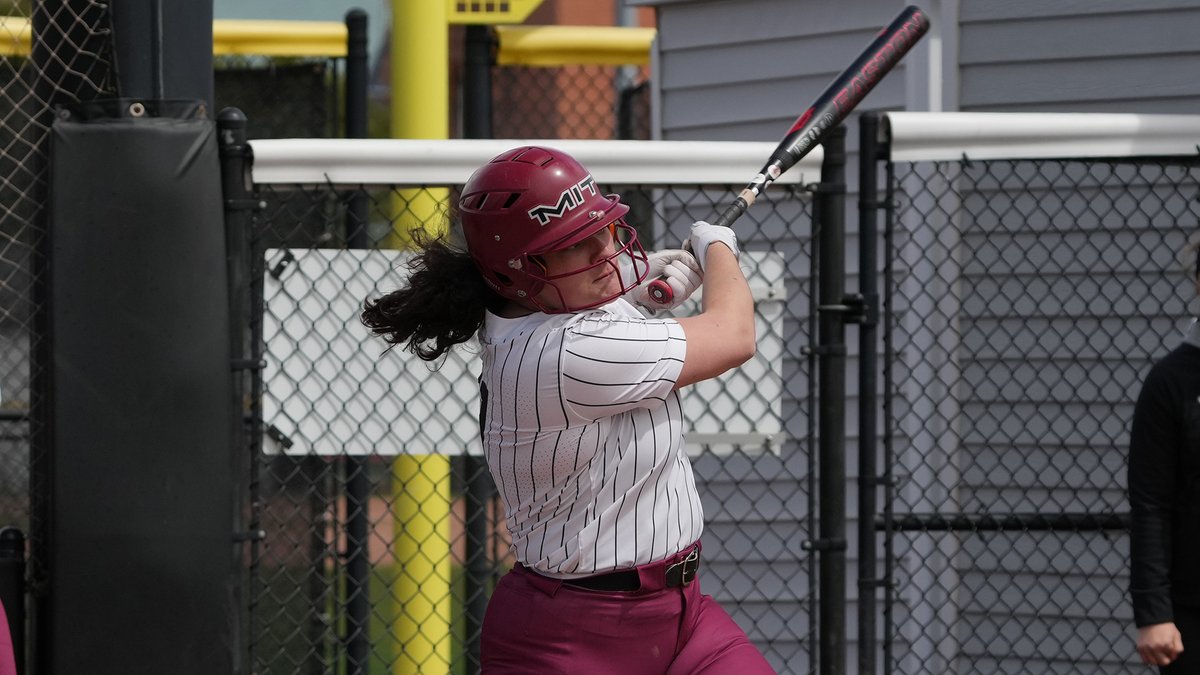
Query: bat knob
(660, 292)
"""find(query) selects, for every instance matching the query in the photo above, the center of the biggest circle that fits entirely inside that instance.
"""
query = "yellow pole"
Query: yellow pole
(421, 109)
(422, 587)
(420, 102)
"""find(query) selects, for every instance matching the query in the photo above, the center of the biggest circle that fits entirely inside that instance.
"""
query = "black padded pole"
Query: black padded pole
(141, 533)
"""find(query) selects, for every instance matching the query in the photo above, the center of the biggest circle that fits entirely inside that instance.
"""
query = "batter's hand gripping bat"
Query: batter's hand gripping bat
(830, 108)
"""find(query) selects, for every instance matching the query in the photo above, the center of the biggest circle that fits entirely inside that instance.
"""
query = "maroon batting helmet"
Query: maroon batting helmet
(534, 200)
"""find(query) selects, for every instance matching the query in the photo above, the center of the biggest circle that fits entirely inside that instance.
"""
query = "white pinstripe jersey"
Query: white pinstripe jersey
(584, 437)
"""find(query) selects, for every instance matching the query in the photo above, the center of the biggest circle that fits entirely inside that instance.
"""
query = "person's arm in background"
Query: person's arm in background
(1153, 462)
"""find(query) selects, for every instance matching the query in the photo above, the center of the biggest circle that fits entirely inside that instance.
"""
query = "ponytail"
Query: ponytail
(442, 305)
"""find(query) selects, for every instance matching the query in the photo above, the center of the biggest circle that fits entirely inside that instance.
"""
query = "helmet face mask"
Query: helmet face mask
(532, 202)
(609, 258)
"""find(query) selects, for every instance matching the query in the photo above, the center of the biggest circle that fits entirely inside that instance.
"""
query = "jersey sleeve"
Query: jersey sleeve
(1153, 459)
(613, 364)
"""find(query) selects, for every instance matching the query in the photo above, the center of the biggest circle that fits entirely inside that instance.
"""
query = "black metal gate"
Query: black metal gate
(1022, 303)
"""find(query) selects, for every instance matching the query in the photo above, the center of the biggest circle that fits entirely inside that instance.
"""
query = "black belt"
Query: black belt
(677, 574)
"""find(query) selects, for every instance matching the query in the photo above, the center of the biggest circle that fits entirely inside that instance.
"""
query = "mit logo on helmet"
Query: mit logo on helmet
(570, 198)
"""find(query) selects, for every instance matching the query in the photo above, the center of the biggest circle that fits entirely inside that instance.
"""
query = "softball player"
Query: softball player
(580, 415)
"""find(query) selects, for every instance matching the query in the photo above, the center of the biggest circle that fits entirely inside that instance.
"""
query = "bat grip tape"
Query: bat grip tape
(732, 213)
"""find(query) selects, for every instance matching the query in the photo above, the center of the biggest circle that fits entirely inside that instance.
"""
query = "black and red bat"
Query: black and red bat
(830, 108)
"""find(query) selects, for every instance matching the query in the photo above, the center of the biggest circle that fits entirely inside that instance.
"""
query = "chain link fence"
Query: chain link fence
(294, 97)
(1024, 302)
(375, 456)
(571, 101)
(302, 97)
(70, 62)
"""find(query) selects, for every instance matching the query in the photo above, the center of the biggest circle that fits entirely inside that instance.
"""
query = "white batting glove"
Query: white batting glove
(704, 234)
(679, 269)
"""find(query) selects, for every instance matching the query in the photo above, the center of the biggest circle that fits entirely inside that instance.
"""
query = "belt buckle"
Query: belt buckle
(691, 565)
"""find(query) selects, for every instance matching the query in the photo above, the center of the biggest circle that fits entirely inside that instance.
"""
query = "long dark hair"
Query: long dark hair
(443, 304)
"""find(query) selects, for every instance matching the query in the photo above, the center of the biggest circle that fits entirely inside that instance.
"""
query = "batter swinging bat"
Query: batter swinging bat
(830, 108)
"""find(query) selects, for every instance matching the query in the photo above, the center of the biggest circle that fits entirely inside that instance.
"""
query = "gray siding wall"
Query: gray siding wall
(1079, 56)
(744, 70)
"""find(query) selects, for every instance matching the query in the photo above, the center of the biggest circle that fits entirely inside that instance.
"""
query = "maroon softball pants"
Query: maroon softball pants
(535, 624)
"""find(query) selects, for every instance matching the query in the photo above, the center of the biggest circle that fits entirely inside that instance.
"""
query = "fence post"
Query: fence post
(868, 402)
(831, 365)
(477, 82)
(477, 123)
(358, 484)
(888, 478)
(12, 589)
(240, 204)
